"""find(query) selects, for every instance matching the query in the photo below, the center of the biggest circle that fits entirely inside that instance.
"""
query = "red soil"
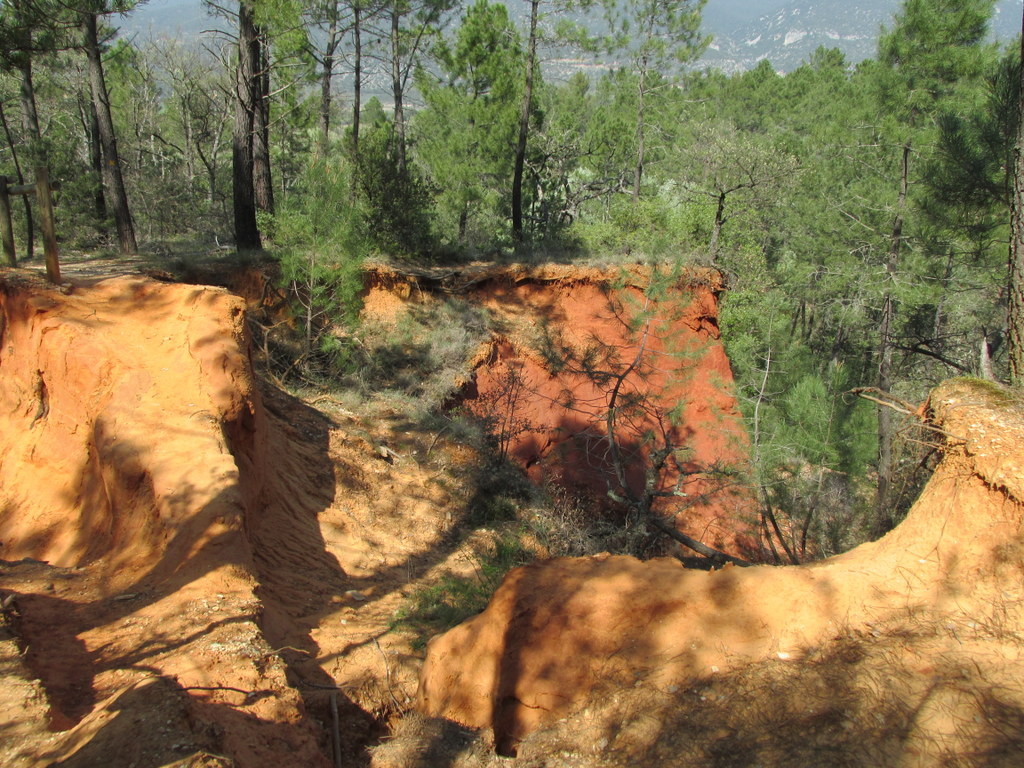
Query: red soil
(193, 569)
(133, 462)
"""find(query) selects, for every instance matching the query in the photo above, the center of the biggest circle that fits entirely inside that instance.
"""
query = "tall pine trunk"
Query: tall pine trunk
(113, 181)
(91, 126)
(30, 123)
(1015, 317)
(524, 128)
(263, 181)
(247, 234)
(357, 77)
(21, 178)
(30, 116)
(327, 75)
(641, 131)
(397, 89)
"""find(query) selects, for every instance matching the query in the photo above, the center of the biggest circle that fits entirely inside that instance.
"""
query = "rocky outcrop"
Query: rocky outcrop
(556, 633)
(134, 494)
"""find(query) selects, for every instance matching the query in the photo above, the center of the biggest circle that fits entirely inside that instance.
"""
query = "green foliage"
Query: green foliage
(464, 134)
(738, 175)
(320, 247)
(423, 358)
(968, 180)
(933, 46)
(658, 34)
(372, 114)
(500, 487)
(453, 599)
(398, 199)
(661, 226)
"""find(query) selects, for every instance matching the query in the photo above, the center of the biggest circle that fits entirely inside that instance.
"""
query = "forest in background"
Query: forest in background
(861, 213)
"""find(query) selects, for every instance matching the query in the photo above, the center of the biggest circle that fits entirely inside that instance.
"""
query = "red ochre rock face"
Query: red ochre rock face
(576, 345)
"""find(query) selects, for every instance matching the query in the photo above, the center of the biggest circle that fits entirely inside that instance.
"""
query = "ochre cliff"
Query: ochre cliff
(575, 345)
(135, 489)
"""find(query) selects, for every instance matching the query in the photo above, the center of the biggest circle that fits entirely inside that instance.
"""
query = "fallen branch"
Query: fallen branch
(251, 697)
(697, 546)
(336, 730)
(338, 406)
(387, 674)
(436, 438)
(901, 406)
(876, 395)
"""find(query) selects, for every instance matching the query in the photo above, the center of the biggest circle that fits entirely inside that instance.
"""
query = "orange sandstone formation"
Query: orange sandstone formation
(557, 632)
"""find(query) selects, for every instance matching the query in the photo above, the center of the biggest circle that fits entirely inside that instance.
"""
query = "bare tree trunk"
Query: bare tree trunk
(884, 519)
(29, 225)
(188, 132)
(91, 125)
(716, 230)
(327, 75)
(357, 76)
(1015, 316)
(641, 146)
(524, 128)
(27, 91)
(112, 178)
(247, 235)
(209, 161)
(263, 181)
(30, 123)
(397, 89)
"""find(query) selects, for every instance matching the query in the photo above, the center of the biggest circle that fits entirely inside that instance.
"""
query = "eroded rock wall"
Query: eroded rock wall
(114, 403)
(573, 346)
(557, 632)
(133, 474)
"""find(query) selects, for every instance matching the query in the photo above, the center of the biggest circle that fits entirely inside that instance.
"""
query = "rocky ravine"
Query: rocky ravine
(132, 473)
(192, 568)
(216, 560)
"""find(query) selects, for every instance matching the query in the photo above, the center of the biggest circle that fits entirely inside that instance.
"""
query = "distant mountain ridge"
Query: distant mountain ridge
(785, 32)
(789, 33)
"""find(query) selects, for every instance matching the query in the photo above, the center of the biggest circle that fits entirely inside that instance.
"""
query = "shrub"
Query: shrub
(425, 357)
(320, 247)
(398, 199)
